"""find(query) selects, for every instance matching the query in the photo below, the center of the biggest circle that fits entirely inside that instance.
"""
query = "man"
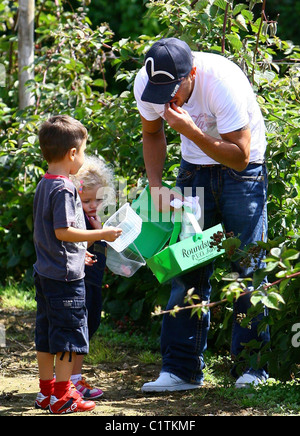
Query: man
(209, 101)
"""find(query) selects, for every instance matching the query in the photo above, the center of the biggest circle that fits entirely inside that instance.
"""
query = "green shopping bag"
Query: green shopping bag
(157, 227)
(184, 256)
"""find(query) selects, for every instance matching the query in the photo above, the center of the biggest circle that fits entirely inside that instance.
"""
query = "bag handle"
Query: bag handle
(176, 230)
(193, 220)
(177, 226)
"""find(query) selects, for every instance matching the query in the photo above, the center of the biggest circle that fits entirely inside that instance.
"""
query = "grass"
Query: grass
(114, 346)
(17, 296)
(275, 396)
(111, 346)
(281, 398)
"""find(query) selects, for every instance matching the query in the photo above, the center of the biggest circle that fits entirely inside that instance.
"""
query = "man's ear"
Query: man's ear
(193, 72)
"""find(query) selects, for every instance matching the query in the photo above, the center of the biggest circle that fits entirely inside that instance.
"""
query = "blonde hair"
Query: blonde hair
(95, 172)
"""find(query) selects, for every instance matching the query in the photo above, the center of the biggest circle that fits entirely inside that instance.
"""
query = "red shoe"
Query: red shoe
(71, 402)
(42, 402)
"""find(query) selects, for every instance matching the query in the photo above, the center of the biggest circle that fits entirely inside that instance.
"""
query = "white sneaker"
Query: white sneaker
(250, 378)
(168, 382)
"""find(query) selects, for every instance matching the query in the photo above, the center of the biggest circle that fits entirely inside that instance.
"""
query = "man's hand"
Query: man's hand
(231, 150)
(179, 120)
(163, 196)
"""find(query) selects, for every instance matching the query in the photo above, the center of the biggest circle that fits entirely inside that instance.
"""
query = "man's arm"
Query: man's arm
(154, 149)
(233, 150)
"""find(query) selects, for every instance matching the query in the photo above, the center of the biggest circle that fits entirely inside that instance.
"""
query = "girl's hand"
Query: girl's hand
(95, 223)
(89, 259)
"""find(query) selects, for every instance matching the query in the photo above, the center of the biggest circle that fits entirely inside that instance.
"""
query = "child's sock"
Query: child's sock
(60, 388)
(47, 387)
(75, 378)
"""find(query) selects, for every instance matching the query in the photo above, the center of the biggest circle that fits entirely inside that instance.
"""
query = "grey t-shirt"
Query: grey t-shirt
(58, 205)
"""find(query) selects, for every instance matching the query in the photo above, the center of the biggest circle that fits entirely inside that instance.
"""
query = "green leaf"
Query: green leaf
(255, 299)
(248, 15)
(197, 311)
(290, 254)
(283, 285)
(221, 4)
(99, 82)
(272, 300)
(231, 276)
(238, 8)
(276, 252)
(241, 22)
(231, 242)
(235, 42)
(258, 277)
(270, 266)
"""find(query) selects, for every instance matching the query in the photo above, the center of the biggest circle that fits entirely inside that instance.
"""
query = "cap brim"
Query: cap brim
(160, 93)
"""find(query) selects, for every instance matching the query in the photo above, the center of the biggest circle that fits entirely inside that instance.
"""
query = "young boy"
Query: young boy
(60, 239)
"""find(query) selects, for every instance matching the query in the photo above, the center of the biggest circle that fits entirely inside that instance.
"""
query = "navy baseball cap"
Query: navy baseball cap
(167, 63)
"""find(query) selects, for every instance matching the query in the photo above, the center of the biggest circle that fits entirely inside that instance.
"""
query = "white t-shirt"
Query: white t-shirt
(222, 101)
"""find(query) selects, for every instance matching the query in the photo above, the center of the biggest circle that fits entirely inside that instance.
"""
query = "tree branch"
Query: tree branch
(224, 27)
(216, 303)
(263, 9)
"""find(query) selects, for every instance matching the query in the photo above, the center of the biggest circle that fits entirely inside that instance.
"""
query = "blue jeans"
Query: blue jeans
(239, 201)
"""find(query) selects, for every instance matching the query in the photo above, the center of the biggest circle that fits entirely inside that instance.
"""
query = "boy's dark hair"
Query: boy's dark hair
(59, 134)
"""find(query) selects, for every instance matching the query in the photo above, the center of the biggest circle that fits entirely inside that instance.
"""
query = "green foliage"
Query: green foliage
(275, 396)
(130, 302)
(20, 172)
(280, 295)
(82, 70)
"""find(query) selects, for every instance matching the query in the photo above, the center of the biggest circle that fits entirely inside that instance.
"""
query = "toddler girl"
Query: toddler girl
(95, 184)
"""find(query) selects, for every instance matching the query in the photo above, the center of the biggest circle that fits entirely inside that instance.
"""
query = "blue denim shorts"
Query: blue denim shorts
(61, 319)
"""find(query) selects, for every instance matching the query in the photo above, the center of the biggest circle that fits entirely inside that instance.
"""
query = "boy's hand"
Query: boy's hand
(110, 234)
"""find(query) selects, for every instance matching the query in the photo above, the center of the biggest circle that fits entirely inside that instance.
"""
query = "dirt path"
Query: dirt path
(121, 383)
